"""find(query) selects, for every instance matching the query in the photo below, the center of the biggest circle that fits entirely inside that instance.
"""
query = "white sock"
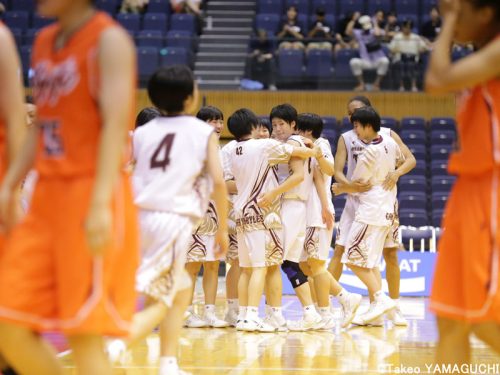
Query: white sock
(252, 313)
(396, 300)
(190, 309)
(242, 313)
(378, 295)
(210, 309)
(232, 304)
(310, 312)
(268, 309)
(277, 311)
(341, 297)
(168, 365)
(324, 311)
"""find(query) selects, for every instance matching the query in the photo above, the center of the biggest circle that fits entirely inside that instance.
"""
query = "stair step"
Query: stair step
(232, 6)
(218, 76)
(214, 22)
(243, 31)
(220, 65)
(218, 85)
(231, 14)
(225, 38)
(222, 48)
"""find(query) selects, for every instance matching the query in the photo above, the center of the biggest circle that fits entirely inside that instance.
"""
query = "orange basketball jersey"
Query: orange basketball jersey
(3, 131)
(65, 87)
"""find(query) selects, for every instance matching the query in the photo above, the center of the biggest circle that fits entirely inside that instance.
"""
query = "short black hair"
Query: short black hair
(242, 122)
(408, 22)
(264, 122)
(170, 86)
(146, 115)
(362, 99)
(209, 113)
(310, 121)
(286, 112)
(366, 116)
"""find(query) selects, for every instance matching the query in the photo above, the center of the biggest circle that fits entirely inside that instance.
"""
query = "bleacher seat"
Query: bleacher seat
(183, 22)
(180, 39)
(422, 239)
(427, 5)
(439, 168)
(150, 38)
(442, 137)
(420, 169)
(319, 63)
(290, 63)
(346, 6)
(438, 200)
(174, 56)
(413, 137)
(345, 125)
(131, 22)
(412, 199)
(329, 122)
(412, 183)
(342, 67)
(389, 122)
(437, 217)
(110, 6)
(25, 55)
(328, 6)
(443, 123)
(148, 61)
(375, 5)
(440, 152)
(442, 183)
(40, 22)
(413, 217)
(302, 6)
(159, 6)
(339, 204)
(419, 151)
(29, 36)
(18, 36)
(270, 7)
(155, 21)
(409, 7)
(268, 22)
(412, 123)
(23, 5)
(17, 19)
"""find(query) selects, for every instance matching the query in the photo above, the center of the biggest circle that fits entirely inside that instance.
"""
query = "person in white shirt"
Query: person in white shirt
(406, 48)
(257, 209)
(376, 209)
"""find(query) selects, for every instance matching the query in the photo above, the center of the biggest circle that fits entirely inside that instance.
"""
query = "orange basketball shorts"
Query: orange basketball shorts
(466, 279)
(48, 278)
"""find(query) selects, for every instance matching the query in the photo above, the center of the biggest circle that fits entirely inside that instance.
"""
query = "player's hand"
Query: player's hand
(360, 187)
(221, 243)
(10, 209)
(449, 8)
(307, 142)
(328, 218)
(390, 180)
(265, 200)
(318, 152)
(98, 225)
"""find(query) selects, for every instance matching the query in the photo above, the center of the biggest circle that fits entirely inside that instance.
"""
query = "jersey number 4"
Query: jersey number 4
(161, 156)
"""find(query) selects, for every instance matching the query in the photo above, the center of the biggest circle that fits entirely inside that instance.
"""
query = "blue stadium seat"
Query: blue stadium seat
(270, 7)
(417, 238)
(25, 5)
(389, 122)
(339, 204)
(419, 151)
(345, 125)
(148, 61)
(440, 152)
(319, 63)
(342, 67)
(407, 7)
(329, 122)
(150, 38)
(412, 123)
(330, 135)
(327, 5)
(413, 137)
(419, 170)
(268, 22)
(438, 200)
(412, 183)
(159, 6)
(329, 19)
(437, 217)
(459, 52)
(301, 5)
(412, 200)
(374, 5)
(29, 36)
(442, 183)
(155, 21)
(443, 123)
(18, 36)
(17, 19)
(180, 39)
(415, 217)
(346, 6)
(40, 22)
(174, 56)
(442, 137)
(183, 22)
(131, 22)
(439, 168)
(25, 55)
(110, 6)
(290, 63)
(427, 5)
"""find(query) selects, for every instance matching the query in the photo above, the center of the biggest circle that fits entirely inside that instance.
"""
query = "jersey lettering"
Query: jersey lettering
(161, 156)
(52, 140)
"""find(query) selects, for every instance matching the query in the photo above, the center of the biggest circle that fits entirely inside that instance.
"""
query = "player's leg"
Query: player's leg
(210, 283)
(393, 277)
(304, 266)
(274, 292)
(245, 273)
(453, 346)
(335, 267)
(89, 355)
(346, 219)
(193, 320)
(232, 276)
(488, 332)
(255, 291)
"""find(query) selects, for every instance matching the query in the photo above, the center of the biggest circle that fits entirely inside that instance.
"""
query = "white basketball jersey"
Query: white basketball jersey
(252, 165)
(354, 146)
(314, 218)
(169, 174)
(303, 190)
(226, 153)
(377, 206)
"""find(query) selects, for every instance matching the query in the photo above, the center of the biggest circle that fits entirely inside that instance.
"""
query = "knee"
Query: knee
(391, 257)
(193, 268)
(294, 273)
(338, 251)
(304, 267)
(452, 329)
(211, 267)
(317, 267)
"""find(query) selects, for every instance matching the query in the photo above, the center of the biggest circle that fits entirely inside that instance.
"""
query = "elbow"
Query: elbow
(434, 83)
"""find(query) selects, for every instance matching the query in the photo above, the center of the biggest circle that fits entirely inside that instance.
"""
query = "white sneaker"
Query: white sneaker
(397, 317)
(117, 351)
(349, 308)
(381, 306)
(231, 317)
(195, 321)
(214, 322)
(257, 325)
(329, 322)
(379, 322)
(306, 324)
(278, 322)
(240, 324)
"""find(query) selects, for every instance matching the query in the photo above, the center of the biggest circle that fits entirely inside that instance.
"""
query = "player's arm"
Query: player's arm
(408, 164)
(343, 185)
(319, 183)
(326, 165)
(231, 187)
(443, 75)
(116, 59)
(219, 195)
(364, 167)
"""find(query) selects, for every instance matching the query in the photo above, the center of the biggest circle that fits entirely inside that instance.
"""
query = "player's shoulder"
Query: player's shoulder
(323, 143)
(348, 134)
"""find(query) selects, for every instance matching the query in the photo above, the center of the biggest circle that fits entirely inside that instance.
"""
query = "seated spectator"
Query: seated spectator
(133, 6)
(431, 28)
(321, 33)
(343, 40)
(379, 19)
(291, 35)
(392, 27)
(406, 48)
(370, 50)
(260, 64)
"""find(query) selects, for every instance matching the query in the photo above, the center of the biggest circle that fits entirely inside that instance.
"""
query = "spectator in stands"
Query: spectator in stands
(190, 7)
(370, 50)
(379, 19)
(392, 27)
(320, 33)
(406, 48)
(432, 27)
(345, 41)
(260, 65)
(133, 6)
(2, 9)
(291, 35)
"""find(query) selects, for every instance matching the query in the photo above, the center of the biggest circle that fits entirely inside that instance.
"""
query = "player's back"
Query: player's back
(169, 174)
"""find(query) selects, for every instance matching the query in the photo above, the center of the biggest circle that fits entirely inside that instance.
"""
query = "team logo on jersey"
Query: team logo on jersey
(50, 82)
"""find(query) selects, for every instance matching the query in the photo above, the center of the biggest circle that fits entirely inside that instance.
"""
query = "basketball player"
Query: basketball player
(465, 294)
(146, 115)
(202, 247)
(257, 211)
(78, 242)
(348, 149)
(12, 125)
(320, 230)
(375, 211)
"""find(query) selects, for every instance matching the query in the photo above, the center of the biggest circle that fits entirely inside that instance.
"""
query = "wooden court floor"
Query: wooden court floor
(388, 349)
